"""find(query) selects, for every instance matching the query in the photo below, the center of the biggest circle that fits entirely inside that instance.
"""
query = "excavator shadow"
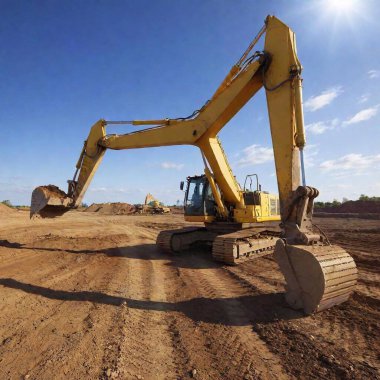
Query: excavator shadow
(196, 258)
(237, 311)
(193, 259)
(8, 244)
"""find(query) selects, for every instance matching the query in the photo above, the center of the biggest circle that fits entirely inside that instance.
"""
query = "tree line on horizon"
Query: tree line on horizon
(334, 203)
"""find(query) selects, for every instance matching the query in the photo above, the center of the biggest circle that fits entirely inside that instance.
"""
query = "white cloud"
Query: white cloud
(322, 126)
(362, 115)
(310, 152)
(364, 98)
(171, 165)
(355, 163)
(373, 74)
(319, 101)
(255, 154)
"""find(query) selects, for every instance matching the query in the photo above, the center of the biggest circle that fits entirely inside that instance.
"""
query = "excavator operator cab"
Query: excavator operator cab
(199, 201)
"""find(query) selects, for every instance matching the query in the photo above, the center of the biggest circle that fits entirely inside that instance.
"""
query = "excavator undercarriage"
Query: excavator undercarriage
(229, 247)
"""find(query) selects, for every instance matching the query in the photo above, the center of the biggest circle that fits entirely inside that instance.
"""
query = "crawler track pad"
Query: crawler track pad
(317, 277)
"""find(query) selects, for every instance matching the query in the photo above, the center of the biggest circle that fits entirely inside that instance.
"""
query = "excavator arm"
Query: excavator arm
(200, 130)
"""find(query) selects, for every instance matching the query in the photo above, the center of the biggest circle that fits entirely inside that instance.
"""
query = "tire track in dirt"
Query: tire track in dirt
(157, 354)
(222, 317)
(25, 330)
(46, 267)
(188, 341)
(100, 324)
(45, 338)
(82, 271)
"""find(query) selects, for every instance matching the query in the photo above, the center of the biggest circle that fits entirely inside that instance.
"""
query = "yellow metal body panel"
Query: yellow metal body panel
(268, 210)
(215, 192)
(90, 161)
(223, 175)
(184, 132)
(247, 216)
(199, 218)
(284, 107)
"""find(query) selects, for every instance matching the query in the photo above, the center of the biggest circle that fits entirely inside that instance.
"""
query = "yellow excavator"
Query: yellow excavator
(239, 223)
(153, 206)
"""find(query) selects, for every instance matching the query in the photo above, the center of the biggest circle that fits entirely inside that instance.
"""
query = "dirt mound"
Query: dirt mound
(117, 208)
(5, 210)
(176, 209)
(360, 207)
(53, 191)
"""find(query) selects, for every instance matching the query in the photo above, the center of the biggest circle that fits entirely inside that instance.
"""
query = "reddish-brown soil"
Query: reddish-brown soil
(88, 296)
(176, 209)
(366, 207)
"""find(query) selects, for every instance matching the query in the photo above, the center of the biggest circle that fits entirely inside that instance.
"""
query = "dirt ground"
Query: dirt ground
(89, 296)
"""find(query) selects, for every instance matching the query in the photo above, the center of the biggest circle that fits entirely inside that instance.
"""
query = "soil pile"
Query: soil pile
(360, 207)
(117, 208)
(5, 210)
(52, 191)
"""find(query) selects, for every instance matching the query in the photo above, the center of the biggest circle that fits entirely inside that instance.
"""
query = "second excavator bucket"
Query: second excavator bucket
(317, 277)
(49, 202)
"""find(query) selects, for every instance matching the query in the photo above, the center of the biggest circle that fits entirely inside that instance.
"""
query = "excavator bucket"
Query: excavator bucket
(49, 201)
(317, 277)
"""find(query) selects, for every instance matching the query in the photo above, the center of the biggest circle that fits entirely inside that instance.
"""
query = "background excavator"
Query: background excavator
(239, 223)
(153, 206)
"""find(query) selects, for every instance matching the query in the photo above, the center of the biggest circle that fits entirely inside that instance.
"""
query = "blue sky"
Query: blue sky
(64, 65)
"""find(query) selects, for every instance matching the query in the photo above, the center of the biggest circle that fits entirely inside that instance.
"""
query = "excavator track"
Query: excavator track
(164, 239)
(231, 248)
(235, 247)
(176, 241)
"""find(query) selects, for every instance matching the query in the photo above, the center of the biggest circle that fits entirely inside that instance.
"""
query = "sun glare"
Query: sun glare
(342, 6)
(343, 13)
(346, 8)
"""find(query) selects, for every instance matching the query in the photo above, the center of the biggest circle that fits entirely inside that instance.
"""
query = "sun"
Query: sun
(342, 6)
(343, 13)
(347, 8)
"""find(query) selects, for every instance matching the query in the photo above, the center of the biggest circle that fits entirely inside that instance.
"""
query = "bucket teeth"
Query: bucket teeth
(317, 277)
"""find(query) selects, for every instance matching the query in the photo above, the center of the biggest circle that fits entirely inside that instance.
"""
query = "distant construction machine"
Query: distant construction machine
(153, 206)
(239, 223)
